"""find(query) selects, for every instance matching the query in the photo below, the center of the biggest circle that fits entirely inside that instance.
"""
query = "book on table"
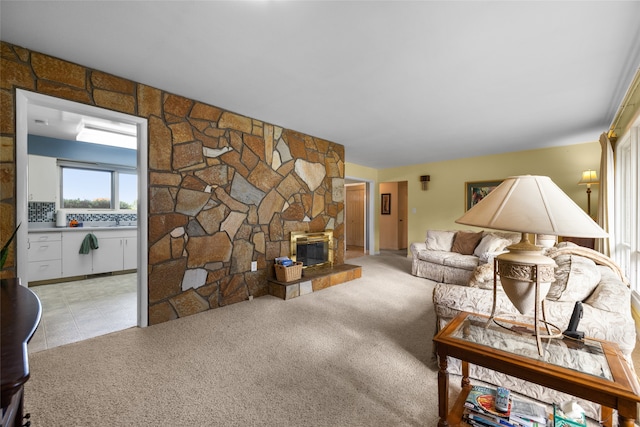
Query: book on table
(480, 410)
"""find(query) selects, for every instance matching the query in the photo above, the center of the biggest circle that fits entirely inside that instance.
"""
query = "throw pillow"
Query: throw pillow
(576, 278)
(483, 277)
(465, 242)
(439, 240)
(489, 245)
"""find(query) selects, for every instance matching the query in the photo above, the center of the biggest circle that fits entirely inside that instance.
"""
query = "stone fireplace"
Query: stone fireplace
(313, 249)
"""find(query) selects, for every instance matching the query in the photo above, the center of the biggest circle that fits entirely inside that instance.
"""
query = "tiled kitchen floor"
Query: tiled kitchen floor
(75, 311)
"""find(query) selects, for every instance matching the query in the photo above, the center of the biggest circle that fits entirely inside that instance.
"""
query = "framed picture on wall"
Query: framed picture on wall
(478, 190)
(385, 204)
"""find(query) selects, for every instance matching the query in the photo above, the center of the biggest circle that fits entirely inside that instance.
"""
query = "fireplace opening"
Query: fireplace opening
(312, 249)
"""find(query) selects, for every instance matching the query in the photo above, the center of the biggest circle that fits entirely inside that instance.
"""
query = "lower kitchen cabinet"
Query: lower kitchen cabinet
(130, 253)
(73, 262)
(44, 254)
(113, 248)
(111, 256)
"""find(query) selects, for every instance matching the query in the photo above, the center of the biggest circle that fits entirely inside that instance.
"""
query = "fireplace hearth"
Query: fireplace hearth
(312, 249)
(315, 251)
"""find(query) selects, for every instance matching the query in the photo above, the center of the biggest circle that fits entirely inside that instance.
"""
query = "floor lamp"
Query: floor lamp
(529, 205)
(589, 177)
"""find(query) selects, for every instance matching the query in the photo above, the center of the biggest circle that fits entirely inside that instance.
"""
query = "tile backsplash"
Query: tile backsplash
(46, 212)
(42, 211)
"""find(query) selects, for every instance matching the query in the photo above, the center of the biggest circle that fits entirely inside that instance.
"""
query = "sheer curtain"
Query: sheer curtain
(606, 196)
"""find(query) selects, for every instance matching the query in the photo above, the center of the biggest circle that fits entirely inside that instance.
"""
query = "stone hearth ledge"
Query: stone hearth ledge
(313, 280)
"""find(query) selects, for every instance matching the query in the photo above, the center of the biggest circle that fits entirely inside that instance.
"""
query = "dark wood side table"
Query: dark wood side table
(21, 311)
(606, 380)
(587, 242)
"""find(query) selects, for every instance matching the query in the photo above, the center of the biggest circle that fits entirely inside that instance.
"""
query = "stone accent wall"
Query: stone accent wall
(224, 189)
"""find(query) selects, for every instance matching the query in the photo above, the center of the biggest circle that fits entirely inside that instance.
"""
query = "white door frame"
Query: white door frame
(23, 100)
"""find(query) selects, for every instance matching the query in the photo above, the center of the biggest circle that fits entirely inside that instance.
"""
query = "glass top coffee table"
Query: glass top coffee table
(591, 369)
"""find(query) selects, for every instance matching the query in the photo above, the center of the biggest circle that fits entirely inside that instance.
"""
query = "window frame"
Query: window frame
(114, 170)
(627, 205)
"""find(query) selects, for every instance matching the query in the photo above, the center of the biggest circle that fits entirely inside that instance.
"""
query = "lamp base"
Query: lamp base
(541, 329)
(519, 269)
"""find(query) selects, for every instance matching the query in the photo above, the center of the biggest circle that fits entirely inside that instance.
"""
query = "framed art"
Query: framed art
(385, 204)
(478, 190)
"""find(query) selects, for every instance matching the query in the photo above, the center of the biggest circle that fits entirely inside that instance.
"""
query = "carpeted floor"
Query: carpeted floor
(357, 354)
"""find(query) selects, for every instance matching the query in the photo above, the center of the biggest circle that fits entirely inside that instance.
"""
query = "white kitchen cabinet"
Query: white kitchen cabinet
(44, 256)
(115, 247)
(117, 251)
(109, 256)
(43, 178)
(73, 262)
(130, 253)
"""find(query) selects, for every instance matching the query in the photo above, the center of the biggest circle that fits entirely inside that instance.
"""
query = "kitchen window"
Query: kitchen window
(91, 186)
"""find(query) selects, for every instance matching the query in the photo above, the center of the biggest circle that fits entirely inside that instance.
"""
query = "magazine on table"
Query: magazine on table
(530, 412)
(482, 399)
(482, 420)
(480, 410)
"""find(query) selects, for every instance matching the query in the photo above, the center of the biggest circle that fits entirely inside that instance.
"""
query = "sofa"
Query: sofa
(581, 274)
(451, 256)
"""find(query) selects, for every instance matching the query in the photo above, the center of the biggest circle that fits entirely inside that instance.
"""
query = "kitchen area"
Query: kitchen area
(82, 237)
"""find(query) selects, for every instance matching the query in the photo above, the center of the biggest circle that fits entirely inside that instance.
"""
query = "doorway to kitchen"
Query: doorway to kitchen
(103, 121)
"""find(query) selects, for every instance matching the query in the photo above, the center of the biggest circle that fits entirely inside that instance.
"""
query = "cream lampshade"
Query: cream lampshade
(529, 204)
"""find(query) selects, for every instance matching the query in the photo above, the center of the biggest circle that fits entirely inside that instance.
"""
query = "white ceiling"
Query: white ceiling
(395, 82)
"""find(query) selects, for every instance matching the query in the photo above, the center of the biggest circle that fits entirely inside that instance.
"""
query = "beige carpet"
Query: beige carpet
(356, 354)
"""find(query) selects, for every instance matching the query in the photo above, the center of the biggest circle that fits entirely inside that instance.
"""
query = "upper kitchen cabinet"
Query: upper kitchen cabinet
(43, 179)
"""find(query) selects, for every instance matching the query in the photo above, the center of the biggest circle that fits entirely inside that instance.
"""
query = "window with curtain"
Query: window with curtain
(627, 223)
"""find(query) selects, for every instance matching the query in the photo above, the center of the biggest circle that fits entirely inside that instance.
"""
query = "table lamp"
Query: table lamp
(529, 204)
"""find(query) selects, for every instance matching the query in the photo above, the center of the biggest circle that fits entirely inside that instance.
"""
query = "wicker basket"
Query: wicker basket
(288, 274)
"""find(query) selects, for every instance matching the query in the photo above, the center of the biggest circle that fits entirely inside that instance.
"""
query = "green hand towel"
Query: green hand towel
(90, 242)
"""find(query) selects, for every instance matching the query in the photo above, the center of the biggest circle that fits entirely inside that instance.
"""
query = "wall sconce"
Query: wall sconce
(424, 179)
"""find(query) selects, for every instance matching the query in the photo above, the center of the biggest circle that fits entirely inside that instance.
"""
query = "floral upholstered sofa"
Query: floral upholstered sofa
(450, 256)
(581, 274)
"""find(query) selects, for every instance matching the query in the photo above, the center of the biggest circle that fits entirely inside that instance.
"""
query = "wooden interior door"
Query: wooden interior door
(355, 215)
(402, 214)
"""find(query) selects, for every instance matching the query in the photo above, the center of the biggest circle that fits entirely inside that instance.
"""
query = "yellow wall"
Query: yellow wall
(351, 170)
(443, 202)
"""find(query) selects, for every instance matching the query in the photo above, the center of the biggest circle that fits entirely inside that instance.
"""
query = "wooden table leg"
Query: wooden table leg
(626, 422)
(627, 411)
(443, 390)
(465, 382)
(606, 415)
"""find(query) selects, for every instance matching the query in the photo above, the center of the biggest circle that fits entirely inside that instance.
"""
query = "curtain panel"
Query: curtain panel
(606, 201)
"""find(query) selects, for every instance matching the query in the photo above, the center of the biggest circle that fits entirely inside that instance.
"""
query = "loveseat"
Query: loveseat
(449, 256)
(582, 275)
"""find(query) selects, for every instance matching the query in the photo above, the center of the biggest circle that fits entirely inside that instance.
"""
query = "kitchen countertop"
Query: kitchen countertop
(48, 228)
